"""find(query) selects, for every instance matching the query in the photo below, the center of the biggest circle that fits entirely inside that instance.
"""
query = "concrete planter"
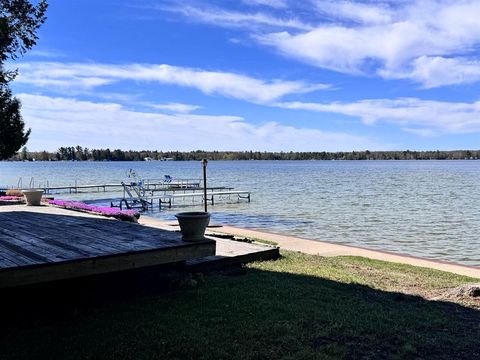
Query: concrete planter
(32, 197)
(193, 224)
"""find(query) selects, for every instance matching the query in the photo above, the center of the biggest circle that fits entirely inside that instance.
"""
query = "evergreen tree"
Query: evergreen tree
(19, 22)
(12, 128)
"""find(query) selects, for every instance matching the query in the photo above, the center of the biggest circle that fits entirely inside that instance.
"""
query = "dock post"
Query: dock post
(204, 165)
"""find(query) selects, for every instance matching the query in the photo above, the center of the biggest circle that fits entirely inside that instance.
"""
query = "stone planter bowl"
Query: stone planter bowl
(33, 197)
(193, 224)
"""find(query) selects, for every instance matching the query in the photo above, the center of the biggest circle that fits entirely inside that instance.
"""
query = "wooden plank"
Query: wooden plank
(115, 235)
(6, 262)
(7, 256)
(57, 248)
(21, 248)
(100, 265)
(86, 243)
(97, 239)
(39, 245)
(136, 234)
(68, 241)
(42, 234)
(129, 235)
(148, 234)
(231, 252)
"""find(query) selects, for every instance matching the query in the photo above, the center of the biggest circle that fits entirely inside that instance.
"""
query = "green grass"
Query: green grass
(267, 242)
(299, 307)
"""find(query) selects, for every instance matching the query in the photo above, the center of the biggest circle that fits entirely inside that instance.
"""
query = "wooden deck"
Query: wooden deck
(232, 252)
(228, 251)
(39, 244)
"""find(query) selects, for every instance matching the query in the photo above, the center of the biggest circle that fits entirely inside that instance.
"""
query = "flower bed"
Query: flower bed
(125, 215)
(11, 200)
(8, 197)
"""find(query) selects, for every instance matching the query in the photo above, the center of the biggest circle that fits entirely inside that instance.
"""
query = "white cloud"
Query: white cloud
(76, 76)
(433, 42)
(278, 4)
(422, 117)
(421, 132)
(365, 49)
(356, 11)
(439, 71)
(46, 53)
(174, 107)
(392, 39)
(59, 122)
(326, 47)
(227, 18)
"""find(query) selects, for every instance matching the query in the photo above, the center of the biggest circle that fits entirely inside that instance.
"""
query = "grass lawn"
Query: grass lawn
(299, 307)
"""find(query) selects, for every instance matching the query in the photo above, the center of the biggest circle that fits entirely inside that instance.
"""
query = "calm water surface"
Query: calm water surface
(423, 208)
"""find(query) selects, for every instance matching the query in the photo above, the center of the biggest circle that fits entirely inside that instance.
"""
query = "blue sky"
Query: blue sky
(273, 75)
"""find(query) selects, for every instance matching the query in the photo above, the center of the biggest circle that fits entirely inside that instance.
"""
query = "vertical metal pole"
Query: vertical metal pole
(204, 165)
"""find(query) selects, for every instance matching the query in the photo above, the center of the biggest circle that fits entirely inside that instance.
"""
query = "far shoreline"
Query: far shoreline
(185, 160)
(79, 153)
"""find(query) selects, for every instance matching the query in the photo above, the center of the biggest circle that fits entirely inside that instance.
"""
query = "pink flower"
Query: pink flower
(102, 210)
(8, 197)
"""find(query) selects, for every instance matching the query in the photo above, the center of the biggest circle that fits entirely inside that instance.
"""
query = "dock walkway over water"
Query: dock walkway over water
(150, 185)
(169, 199)
(140, 197)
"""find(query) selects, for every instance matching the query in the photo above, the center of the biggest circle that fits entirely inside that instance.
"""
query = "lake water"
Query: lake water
(422, 208)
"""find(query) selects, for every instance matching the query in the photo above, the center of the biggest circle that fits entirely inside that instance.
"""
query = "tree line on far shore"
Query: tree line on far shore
(79, 153)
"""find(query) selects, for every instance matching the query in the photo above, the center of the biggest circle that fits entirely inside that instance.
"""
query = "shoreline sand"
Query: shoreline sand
(322, 248)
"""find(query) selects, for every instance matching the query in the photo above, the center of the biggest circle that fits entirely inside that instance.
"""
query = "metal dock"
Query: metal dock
(146, 193)
(151, 185)
(168, 200)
